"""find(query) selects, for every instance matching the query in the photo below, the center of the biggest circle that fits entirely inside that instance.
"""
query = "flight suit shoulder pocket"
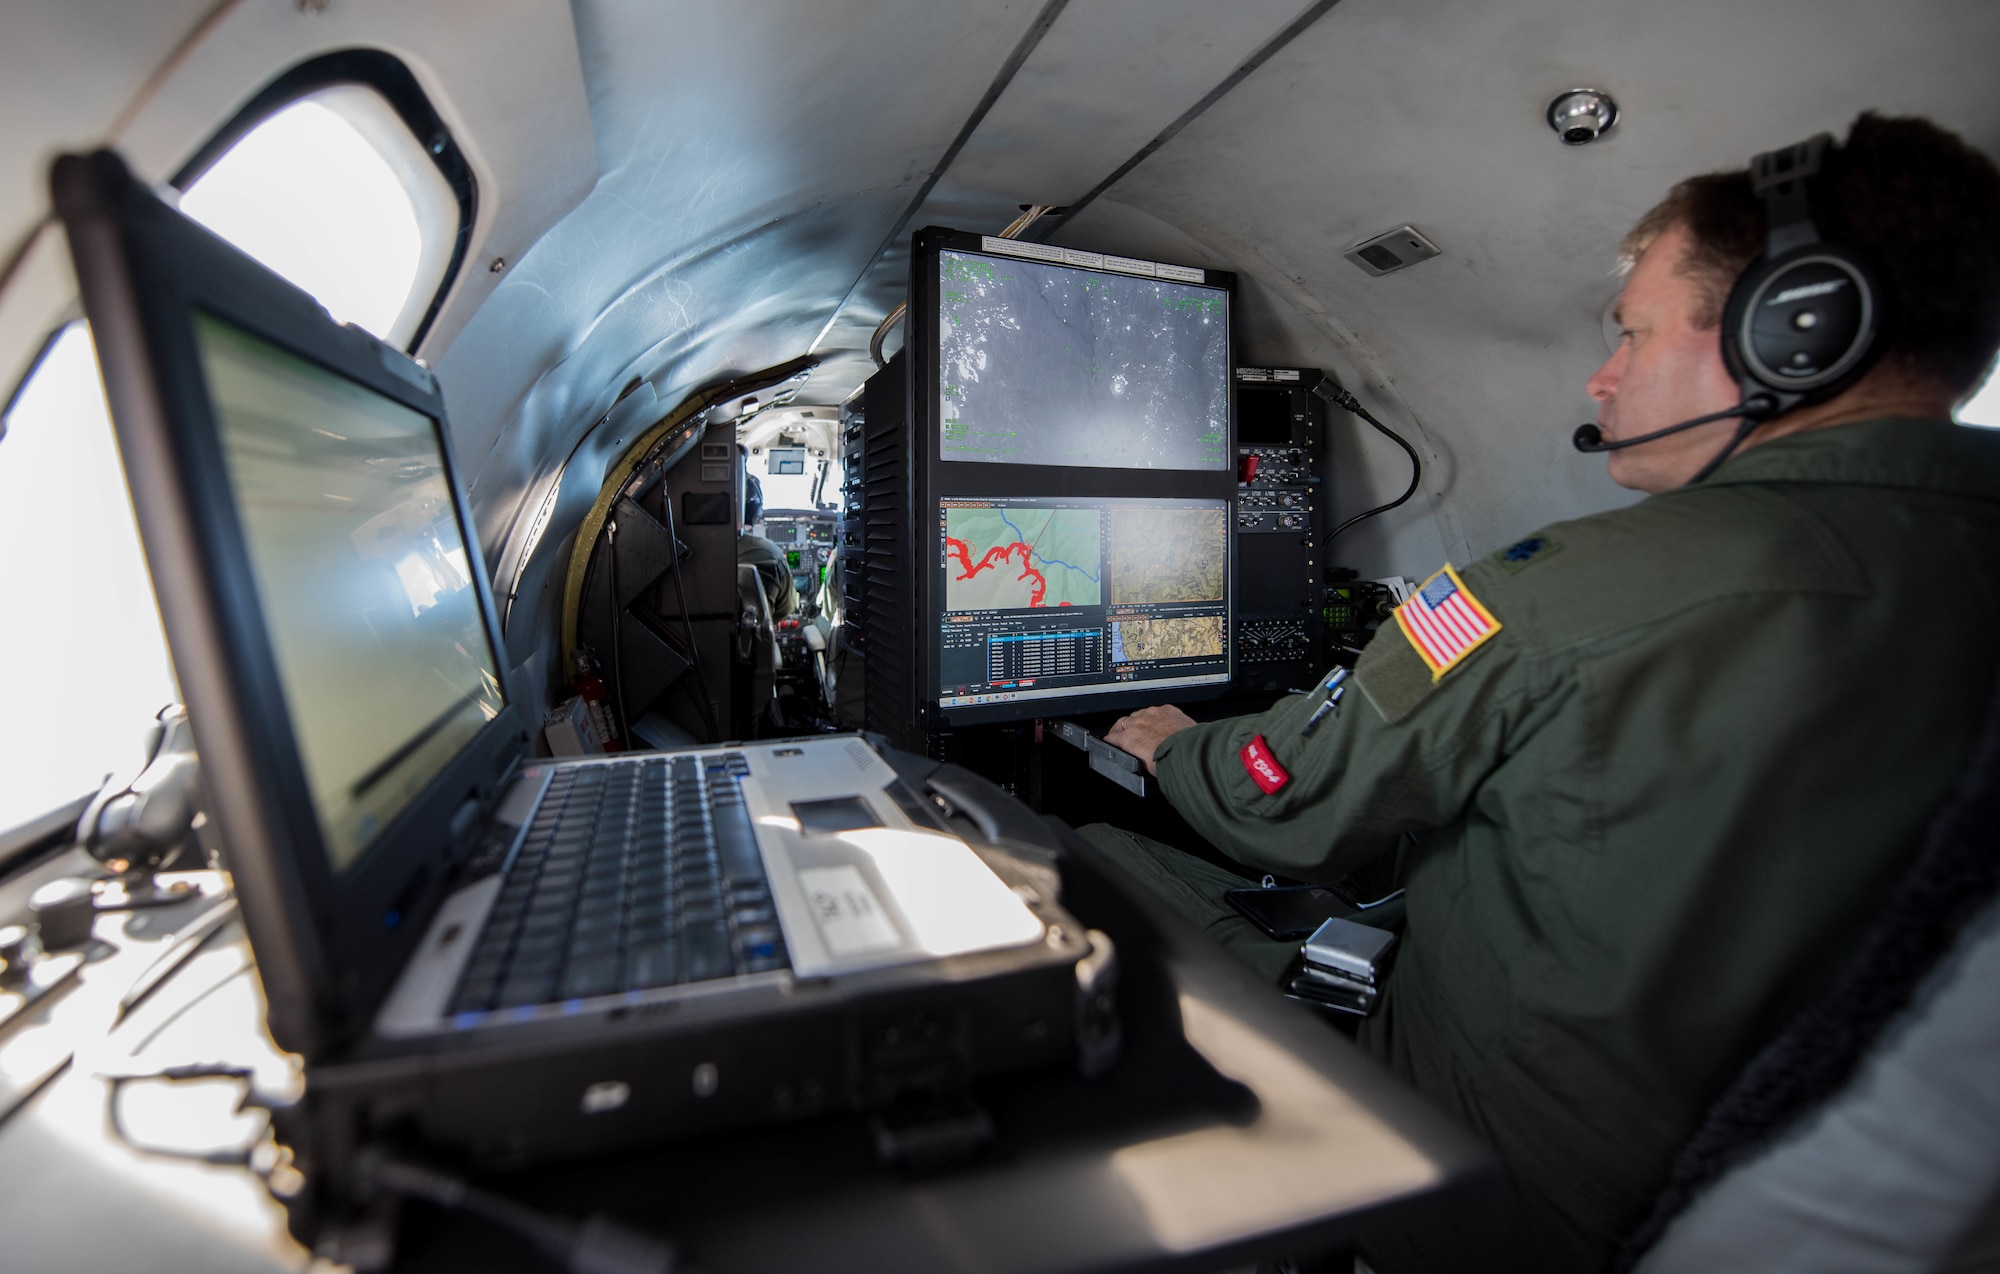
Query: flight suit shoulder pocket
(1393, 676)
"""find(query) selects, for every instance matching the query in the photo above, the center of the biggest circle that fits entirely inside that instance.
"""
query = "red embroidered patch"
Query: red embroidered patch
(1264, 768)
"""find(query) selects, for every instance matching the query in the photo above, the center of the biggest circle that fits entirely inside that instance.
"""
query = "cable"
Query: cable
(882, 330)
(1330, 390)
(1015, 228)
(1749, 422)
(595, 1245)
(251, 1100)
(617, 633)
(687, 624)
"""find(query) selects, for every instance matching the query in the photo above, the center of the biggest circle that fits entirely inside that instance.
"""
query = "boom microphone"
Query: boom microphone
(1591, 438)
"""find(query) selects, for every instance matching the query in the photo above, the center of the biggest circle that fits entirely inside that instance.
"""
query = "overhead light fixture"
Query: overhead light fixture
(1582, 115)
(1392, 250)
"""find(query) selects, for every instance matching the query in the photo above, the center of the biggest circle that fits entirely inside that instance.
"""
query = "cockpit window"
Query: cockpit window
(332, 189)
(795, 478)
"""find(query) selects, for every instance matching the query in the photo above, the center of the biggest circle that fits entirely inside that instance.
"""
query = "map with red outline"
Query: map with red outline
(1013, 558)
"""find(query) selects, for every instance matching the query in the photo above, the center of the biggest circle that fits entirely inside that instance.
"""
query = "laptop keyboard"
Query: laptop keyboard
(639, 874)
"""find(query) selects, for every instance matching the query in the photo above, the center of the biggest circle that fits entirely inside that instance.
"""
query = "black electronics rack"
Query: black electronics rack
(1281, 517)
(886, 577)
(853, 504)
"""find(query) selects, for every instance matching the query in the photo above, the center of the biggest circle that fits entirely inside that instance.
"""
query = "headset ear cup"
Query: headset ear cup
(1732, 323)
(1803, 325)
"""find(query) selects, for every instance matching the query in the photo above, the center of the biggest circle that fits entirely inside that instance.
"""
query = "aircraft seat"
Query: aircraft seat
(1866, 1138)
(756, 640)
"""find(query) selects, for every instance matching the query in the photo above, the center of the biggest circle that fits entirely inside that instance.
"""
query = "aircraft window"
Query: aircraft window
(334, 193)
(790, 485)
(1983, 408)
(83, 664)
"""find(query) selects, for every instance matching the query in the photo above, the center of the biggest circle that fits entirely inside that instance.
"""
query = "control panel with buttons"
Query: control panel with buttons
(1273, 641)
(1280, 517)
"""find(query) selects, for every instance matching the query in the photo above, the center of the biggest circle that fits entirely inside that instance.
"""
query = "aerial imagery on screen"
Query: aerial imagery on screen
(1051, 365)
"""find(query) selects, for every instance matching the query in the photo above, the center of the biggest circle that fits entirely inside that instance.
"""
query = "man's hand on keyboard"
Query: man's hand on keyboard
(1142, 732)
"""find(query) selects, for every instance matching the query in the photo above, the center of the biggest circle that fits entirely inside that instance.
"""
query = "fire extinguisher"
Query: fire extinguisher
(596, 697)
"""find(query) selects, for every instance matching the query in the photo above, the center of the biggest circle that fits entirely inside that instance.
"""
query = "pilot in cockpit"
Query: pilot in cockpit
(1643, 774)
(754, 550)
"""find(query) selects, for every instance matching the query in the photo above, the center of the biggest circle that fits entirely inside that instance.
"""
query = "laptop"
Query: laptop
(510, 957)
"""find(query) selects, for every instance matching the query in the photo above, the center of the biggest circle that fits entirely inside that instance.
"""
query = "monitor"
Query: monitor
(1066, 362)
(1045, 600)
(1072, 537)
(362, 574)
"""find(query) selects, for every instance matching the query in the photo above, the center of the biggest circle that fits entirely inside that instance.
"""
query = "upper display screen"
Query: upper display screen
(1052, 365)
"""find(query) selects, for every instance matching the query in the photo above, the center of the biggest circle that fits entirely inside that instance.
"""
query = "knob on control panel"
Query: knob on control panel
(16, 953)
(64, 911)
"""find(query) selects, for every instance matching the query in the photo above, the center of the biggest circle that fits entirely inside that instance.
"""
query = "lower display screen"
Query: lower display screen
(1045, 599)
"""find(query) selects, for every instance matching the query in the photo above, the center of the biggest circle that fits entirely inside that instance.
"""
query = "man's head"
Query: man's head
(1917, 200)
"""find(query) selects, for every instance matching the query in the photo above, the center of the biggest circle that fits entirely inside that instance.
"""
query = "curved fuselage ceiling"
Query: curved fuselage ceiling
(686, 191)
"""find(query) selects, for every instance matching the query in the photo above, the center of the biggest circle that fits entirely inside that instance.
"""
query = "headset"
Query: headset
(1802, 321)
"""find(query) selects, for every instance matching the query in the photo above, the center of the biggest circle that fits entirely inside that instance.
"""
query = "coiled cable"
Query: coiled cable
(1330, 390)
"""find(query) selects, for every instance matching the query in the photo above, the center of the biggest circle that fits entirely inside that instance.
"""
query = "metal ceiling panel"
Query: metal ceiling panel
(71, 68)
(1387, 112)
(753, 157)
(1108, 76)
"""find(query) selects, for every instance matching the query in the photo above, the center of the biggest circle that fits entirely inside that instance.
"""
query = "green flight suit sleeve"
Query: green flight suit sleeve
(773, 569)
(1401, 753)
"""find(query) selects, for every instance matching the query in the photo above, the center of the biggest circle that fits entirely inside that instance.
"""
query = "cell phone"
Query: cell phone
(1289, 911)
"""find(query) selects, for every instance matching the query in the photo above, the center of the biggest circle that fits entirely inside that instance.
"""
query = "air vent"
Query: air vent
(1385, 253)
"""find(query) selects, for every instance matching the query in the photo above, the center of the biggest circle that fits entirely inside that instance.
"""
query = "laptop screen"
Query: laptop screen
(362, 575)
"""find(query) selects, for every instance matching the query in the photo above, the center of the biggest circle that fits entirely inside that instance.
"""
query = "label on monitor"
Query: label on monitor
(1021, 248)
(1130, 265)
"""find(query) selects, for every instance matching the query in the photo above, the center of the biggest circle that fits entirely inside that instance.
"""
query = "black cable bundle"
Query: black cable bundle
(1330, 390)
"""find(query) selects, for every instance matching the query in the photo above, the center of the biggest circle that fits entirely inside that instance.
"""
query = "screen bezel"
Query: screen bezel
(327, 943)
(935, 478)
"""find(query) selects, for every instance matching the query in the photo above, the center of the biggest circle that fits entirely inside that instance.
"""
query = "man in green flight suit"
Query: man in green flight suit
(774, 569)
(1644, 774)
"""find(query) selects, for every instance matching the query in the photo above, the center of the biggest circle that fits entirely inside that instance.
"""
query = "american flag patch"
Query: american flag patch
(1445, 622)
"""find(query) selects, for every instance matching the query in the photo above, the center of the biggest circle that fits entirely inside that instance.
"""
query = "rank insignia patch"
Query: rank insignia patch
(1519, 554)
(1445, 622)
(1264, 769)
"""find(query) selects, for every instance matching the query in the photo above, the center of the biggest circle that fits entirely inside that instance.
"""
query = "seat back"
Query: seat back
(756, 639)
(1866, 1136)
(1898, 1174)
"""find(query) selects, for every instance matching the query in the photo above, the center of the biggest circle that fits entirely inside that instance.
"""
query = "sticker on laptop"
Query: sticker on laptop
(851, 918)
